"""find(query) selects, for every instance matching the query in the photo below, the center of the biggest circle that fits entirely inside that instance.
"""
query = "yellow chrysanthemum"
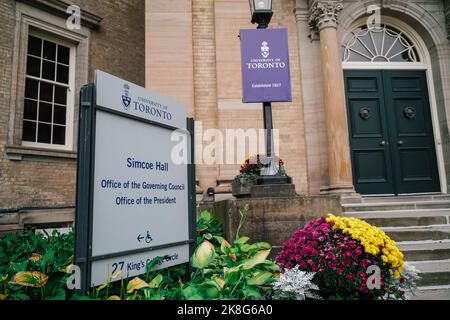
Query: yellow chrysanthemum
(374, 240)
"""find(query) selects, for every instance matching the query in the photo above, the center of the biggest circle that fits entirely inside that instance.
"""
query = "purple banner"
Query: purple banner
(266, 75)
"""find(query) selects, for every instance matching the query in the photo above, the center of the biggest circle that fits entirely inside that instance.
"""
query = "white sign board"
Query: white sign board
(140, 196)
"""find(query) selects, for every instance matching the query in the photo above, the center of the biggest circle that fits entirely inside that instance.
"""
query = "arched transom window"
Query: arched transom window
(378, 44)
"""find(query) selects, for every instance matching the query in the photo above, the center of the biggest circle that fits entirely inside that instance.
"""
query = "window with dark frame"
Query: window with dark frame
(46, 92)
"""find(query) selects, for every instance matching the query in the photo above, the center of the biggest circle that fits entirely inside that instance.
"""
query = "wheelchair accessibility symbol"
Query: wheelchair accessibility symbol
(147, 239)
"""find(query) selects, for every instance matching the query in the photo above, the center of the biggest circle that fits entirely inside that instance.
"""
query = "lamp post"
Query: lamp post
(262, 13)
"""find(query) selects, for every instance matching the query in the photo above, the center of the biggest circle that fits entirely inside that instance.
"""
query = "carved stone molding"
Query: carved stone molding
(324, 14)
(447, 16)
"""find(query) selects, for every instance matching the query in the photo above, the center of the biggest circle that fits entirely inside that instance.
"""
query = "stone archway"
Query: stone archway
(432, 31)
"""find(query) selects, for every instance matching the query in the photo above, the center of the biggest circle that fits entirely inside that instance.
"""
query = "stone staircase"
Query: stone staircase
(421, 227)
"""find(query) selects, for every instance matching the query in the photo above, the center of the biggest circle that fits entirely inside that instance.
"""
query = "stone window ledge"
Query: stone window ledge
(21, 153)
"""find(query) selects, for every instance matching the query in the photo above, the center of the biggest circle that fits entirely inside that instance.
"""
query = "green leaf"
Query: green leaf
(270, 266)
(136, 284)
(261, 278)
(29, 279)
(190, 293)
(156, 282)
(251, 292)
(203, 256)
(212, 293)
(232, 274)
(205, 215)
(241, 241)
(154, 262)
(259, 257)
(60, 295)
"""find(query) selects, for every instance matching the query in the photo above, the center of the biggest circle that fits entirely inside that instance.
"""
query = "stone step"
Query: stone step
(433, 273)
(432, 293)
(413, 198)
(407, 221)
(413, 213)
(440, 232)
(391, 206)
(425, 250)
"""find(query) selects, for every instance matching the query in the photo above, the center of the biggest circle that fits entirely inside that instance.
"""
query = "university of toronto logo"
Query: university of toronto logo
(126, 99)
(265, 50)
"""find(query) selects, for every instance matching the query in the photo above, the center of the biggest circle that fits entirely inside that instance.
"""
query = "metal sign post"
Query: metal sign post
(133, 203)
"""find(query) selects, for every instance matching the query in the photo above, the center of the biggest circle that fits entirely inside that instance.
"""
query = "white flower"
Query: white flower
(295, 284)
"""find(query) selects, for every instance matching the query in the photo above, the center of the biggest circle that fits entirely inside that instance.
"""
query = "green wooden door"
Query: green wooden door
(391, 133)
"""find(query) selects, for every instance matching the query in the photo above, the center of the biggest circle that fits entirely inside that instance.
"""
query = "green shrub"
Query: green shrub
(33, 267)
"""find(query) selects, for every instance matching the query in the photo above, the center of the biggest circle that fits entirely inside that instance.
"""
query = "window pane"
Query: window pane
(60, 95)
(46, 92)
(44, 133)
(48, 70)
(49, 51)
(59, 116)
(63, 54)
(29, 131)
(31, 89)
(33, 66)
(63, 74)
(34, 46)
(30, 110)
(59, 135)
(45, 112)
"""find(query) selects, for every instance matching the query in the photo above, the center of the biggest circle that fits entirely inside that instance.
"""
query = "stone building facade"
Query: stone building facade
(43, 64)
(371, 100)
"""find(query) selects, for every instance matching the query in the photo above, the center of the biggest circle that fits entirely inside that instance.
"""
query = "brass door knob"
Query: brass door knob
(383, 143)
(401, 142)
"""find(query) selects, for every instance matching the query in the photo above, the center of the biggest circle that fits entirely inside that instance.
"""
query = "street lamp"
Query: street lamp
(261, 12)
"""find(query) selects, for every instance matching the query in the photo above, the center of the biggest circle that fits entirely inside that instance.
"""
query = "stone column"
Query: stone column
(205, 82)
(324, 18)
(447, 16)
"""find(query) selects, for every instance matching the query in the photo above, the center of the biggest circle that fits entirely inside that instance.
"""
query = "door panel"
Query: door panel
(371, 159)
(391, 133)
(412, 141)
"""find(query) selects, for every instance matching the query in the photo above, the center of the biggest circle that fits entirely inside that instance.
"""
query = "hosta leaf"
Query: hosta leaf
(136, 284)
(29, 279)
(251, 292)
(3, 278)
(203, 256)
(36, 258)
(66, 269)
(212, 293)
(263, 246)
(241, 241)
(259, 257)
(220, 282)
(58, 295)
(270, 266)
(101, 288)
(205, 215)
(224, 246)
(219, 239)
(156, 282)
(261, 278)
(189, 292)
(232, 274)
(3, 297)
(196, 297)
(114, 298)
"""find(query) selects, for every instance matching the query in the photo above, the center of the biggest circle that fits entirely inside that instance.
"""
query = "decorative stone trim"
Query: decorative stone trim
(20, 153)
(59, 8)
(324, 14)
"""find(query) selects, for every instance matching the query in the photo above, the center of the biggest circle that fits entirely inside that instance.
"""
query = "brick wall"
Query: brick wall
(117, 47)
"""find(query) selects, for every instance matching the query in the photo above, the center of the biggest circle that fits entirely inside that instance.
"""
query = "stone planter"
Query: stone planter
(242, 187)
